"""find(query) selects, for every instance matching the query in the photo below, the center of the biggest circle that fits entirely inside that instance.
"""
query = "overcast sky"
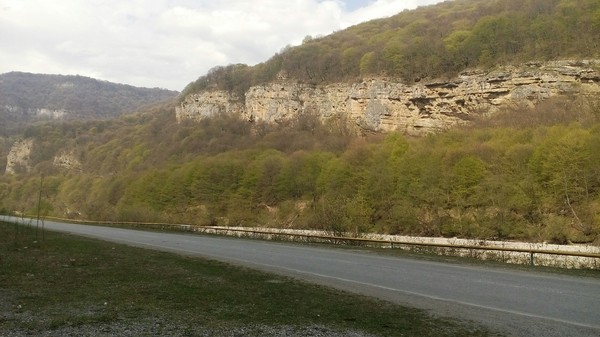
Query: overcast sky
(166, 43)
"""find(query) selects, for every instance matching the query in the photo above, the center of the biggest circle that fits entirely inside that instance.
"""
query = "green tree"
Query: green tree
(466, 176)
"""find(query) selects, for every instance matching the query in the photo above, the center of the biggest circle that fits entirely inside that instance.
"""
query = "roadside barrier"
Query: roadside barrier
(532, 255)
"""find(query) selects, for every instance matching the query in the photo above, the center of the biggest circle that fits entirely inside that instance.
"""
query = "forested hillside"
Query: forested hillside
(430, 42)
(524, 173)
(27, 98)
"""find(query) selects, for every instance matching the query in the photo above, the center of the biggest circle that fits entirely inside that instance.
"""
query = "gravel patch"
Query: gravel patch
(157, 328)
(16, 321)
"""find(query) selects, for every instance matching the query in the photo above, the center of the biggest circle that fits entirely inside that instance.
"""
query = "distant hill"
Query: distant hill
(26, 97)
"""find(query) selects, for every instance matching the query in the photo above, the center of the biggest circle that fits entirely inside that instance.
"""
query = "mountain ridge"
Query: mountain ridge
(27, 97)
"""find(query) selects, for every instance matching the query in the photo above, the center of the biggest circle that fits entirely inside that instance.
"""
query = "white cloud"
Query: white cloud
(381, 9)
(165, 43)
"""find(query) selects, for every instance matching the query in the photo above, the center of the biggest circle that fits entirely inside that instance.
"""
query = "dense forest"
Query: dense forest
(521, 174)
(429, 42)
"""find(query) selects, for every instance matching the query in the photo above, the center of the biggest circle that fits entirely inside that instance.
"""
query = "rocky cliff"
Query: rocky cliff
(383, 105)
(17, 160)
(37, 112)
(68, 161)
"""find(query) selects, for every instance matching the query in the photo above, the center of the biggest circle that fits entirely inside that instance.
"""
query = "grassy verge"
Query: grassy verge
(65, 282)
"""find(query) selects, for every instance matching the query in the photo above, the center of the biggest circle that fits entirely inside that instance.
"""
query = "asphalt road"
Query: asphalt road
(518, 303)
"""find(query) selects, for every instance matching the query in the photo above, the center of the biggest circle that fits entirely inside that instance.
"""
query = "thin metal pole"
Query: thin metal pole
(531, 259)
(39, 206)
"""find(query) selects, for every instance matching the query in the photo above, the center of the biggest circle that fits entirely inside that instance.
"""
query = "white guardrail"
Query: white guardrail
(541, 254)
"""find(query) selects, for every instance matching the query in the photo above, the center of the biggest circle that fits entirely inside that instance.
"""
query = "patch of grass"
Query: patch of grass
(65, 281)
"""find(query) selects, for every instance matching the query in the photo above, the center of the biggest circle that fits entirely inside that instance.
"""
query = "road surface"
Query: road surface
(513, 302)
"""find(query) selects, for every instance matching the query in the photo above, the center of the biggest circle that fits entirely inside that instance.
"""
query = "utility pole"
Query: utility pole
(39, 206)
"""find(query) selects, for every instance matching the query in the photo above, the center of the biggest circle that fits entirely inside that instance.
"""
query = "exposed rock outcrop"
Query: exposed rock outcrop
(37, 112)
(68, 161)
(52, 113)
(382, 105)
(17, 160)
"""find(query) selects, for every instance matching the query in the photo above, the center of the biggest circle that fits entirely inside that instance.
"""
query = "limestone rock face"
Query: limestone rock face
(383, 105)
(36, 112)
(18, 158)
(52, 113)
(207, 104)
(68, 161)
